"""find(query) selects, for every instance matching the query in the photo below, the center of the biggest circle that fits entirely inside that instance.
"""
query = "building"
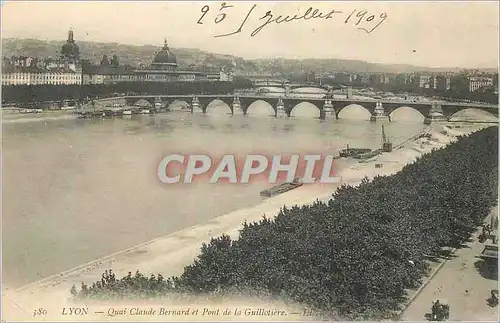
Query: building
(23, 71)
(108, 75)
(443, 83)
(66, 70)
(225, 76)
(343, 77)
(425, 81)
(70, 53)
(401, 79)
(477, 82)
(57, 76)
(107, 72)
(379, 78)
(164, 68)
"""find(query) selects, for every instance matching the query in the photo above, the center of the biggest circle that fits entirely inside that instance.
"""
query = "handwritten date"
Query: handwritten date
(361, 19)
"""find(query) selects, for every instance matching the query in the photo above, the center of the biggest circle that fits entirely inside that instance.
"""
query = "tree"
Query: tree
(114, 61)
(104, 60)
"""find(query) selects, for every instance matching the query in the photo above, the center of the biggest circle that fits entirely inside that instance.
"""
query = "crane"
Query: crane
(386, 144)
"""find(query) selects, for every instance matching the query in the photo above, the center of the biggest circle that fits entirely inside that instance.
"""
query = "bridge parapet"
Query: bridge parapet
(377, 107)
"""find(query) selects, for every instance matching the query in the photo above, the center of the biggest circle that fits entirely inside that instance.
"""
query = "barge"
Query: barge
(90, 115)
(367, 155)
(353, 152)
(280, 189)
(30, 110)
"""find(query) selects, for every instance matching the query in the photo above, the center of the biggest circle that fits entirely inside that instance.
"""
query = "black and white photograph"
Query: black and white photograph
(243, 161)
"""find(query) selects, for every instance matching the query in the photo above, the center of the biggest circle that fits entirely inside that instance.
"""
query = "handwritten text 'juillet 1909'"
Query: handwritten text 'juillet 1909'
(362, 19)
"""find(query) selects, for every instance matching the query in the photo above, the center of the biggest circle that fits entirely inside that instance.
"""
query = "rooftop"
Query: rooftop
(35, 70)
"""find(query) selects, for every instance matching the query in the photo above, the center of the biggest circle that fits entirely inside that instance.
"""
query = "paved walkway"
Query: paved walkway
(463, 284)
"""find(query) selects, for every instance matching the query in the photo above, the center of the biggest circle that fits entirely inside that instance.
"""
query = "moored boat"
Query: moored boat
(367, 155)
(280, 189)
(30, 110)
(90, 115)
(158, 104)
(352, 152)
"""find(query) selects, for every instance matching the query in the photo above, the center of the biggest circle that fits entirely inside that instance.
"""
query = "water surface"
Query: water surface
(77, 190)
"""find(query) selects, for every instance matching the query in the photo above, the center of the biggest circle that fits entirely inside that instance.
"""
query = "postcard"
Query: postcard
(249, 161)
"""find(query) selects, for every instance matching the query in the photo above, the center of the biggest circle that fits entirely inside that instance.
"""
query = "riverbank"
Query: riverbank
(168, 255)
(14, 116)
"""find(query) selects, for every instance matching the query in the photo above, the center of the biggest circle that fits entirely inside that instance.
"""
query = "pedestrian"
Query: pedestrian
(488, 230)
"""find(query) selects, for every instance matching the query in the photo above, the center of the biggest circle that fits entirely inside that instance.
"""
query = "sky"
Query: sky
(434, 34)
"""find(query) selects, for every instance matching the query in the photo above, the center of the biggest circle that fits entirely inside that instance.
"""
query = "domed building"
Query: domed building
(70, 50)
(164, 68)
(164, 59)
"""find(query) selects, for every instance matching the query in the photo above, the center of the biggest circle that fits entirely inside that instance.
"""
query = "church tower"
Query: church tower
(70, 50)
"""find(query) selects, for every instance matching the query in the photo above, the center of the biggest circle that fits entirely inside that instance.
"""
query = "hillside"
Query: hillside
(133, 55)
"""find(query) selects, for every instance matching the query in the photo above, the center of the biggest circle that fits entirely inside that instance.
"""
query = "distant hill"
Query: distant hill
(133, 55)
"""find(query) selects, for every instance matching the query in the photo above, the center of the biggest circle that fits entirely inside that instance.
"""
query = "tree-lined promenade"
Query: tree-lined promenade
(355, 256)
(28, 94)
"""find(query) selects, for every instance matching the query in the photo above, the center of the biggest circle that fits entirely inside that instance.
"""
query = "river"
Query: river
(75, 190)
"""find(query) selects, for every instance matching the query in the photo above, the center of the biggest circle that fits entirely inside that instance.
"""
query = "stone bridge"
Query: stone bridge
(327, 106)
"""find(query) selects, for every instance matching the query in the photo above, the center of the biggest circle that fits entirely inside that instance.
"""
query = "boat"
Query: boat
(90, 115)
(367, 155)
(145, 111)
(281, 188)
(127, 113)
(351, 152)
(30, 110)
(158, 104)
(107, 113)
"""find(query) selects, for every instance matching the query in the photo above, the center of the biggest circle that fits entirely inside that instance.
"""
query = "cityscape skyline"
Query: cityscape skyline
(476, 48)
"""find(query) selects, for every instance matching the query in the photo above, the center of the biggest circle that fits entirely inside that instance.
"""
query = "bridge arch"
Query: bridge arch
(261, 107)
(354, 111)
(406, 113)
(218, 106)
(178, 105)
(305, 109)
(473, 114)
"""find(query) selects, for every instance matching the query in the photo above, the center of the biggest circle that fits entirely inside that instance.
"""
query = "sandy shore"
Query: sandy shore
(168, 255)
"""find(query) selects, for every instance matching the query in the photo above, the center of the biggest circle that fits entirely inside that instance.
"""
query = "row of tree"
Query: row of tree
(26, 94)
(354, 256)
